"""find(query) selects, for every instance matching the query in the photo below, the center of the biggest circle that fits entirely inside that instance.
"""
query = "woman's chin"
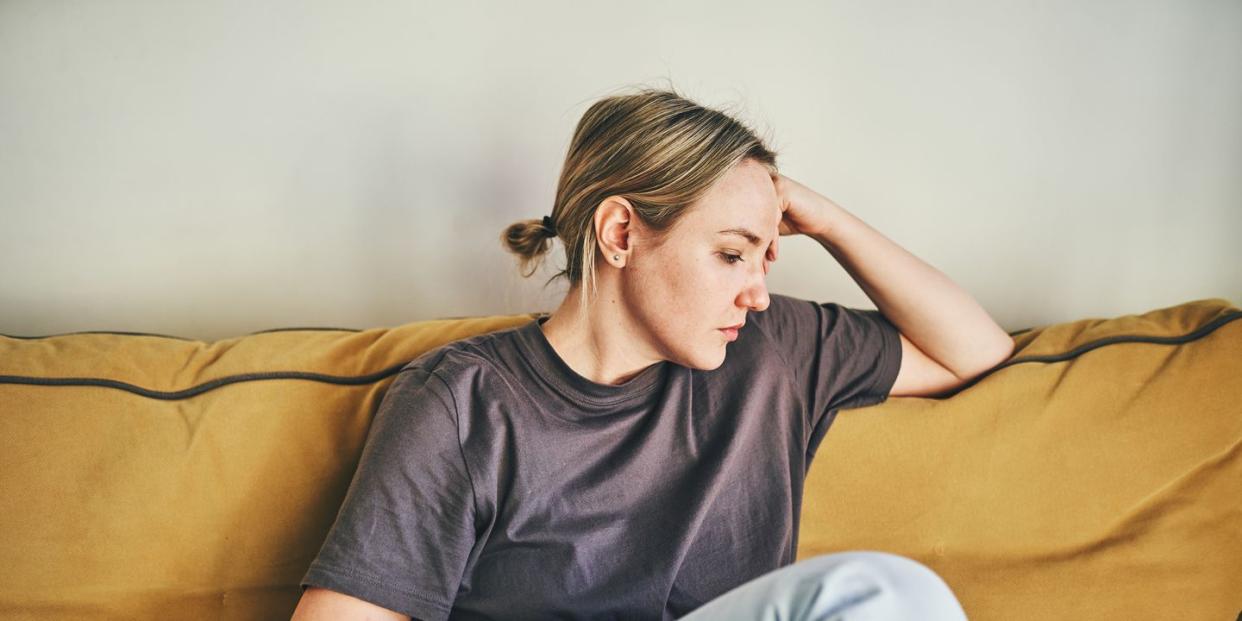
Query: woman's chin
(710, 361)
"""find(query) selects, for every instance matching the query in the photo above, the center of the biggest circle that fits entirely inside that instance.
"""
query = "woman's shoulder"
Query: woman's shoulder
(478, 355)
(773, 320)
(797, 315)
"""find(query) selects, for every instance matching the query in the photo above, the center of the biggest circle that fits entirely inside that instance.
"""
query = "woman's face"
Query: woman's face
(708, 275)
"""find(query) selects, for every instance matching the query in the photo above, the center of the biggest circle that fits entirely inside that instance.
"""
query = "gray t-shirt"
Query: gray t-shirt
(498, 483)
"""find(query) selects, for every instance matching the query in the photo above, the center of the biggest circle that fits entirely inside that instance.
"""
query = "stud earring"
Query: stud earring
(616, 257)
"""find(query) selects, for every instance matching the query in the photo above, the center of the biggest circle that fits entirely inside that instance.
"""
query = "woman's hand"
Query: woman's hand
(803, 210)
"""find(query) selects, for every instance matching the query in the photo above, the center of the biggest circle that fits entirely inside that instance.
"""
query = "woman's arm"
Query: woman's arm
(931, 311)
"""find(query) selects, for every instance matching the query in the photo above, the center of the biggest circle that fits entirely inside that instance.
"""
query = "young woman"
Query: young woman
(640, 453)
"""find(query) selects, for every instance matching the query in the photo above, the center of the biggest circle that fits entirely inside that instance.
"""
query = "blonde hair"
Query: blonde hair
(655, 148)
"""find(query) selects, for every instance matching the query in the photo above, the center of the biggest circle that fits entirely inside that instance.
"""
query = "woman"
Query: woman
(610, 460)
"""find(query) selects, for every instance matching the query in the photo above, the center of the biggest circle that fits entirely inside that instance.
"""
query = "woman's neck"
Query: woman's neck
(600, 342)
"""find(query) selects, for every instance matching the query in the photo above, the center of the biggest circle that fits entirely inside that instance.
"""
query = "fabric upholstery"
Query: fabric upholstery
(1093, 475)
(1097, 474)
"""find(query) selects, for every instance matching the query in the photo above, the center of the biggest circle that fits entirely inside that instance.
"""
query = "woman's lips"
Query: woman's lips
(730, 333)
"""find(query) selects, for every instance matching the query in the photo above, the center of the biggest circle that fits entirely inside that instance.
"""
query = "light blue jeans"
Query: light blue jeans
(848, 586)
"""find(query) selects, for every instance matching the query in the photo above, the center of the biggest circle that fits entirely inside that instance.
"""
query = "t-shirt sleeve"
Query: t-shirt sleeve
(840, 357)
(405, 529)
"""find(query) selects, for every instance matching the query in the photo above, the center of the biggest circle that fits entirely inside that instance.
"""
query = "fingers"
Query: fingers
(773, 248)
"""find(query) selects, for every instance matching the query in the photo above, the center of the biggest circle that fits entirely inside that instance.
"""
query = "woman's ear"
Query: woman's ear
(613, 220)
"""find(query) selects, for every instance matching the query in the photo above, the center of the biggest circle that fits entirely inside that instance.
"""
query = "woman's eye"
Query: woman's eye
(731, 258)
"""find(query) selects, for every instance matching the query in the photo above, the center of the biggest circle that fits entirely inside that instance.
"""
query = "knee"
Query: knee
(885, 579)
(871, 562)
(893, 566)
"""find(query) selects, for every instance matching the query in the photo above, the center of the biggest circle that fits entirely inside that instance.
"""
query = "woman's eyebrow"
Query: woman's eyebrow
(750, 237)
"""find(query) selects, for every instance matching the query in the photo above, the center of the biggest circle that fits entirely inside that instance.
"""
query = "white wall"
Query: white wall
(213, 169)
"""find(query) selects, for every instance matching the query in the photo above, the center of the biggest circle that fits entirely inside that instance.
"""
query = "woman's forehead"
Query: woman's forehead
(736, 216)
(747, 192)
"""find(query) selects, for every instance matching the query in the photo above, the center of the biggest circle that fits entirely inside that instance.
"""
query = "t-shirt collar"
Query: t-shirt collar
(577, 388)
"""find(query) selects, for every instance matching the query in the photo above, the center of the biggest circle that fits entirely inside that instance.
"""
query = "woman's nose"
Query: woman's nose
(755, 296)
(761, 302)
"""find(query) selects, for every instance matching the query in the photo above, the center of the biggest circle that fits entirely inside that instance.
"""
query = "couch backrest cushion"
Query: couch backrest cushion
(1093, 475)
(1096, 474)
(155, 477)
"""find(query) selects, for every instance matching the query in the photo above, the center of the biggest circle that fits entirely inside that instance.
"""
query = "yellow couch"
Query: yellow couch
(1097, 474)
